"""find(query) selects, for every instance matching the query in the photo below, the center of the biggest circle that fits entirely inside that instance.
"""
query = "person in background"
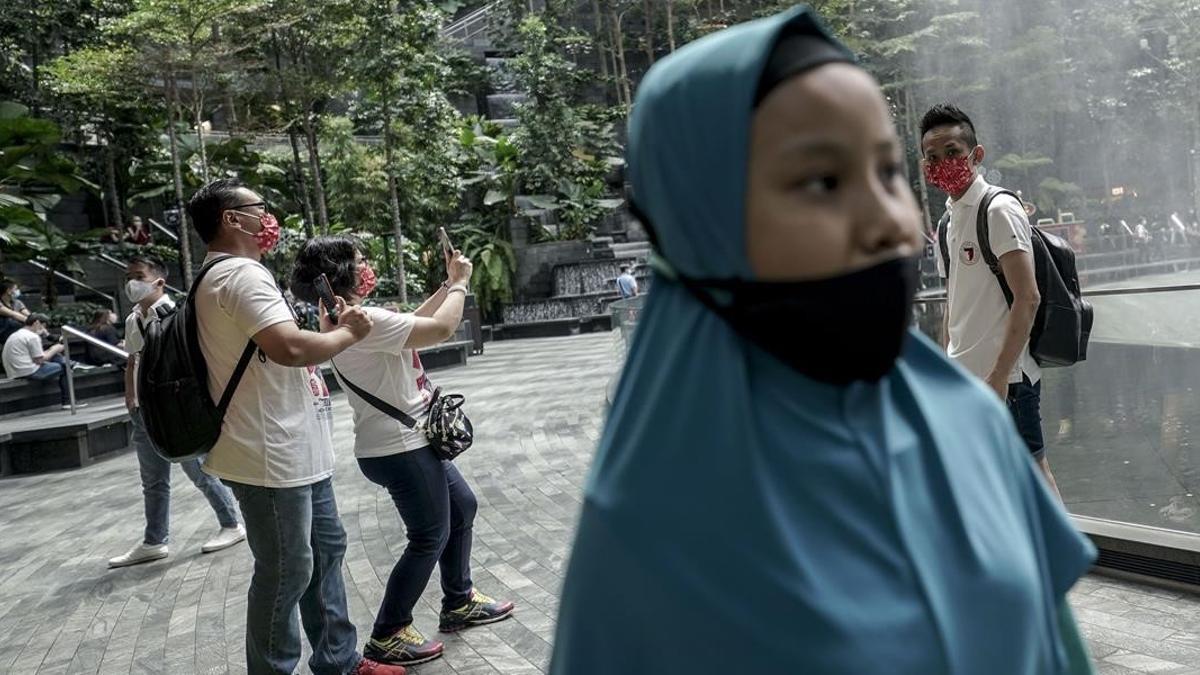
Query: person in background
(433, 499)
(627, 284)
(145, 286)
(12, 310)
(103, 328)
(779, 487)
(25, 358)
(137, 232)
(986, 333)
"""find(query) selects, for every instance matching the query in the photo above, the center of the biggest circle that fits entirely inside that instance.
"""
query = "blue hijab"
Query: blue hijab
(742, 518)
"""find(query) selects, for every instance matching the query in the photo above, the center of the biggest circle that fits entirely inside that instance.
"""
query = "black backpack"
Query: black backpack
(180, 415)
(1063, 322)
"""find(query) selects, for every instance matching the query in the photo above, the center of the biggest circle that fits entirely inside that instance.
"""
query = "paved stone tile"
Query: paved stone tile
(537, 408)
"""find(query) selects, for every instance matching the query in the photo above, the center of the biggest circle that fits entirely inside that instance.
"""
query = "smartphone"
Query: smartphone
(447, 247)
(325, 293)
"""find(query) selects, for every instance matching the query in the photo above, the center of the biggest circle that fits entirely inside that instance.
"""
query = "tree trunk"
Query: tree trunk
(301, 181)
(185, 239)
(619, 47)
(314, 165)
(198, 114)
(648, 10)
(110, 184)
(394, 203)
(50, 297)
(910, 123)
(598, 37)
(671, 24)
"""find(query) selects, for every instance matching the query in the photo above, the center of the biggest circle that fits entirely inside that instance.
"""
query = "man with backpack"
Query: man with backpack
(145, 286)
(985, 331)
(275, 448)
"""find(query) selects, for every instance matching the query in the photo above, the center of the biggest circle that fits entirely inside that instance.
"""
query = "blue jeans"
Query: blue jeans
(156, 486)
(1025, 404)
(298, 544)
(438, 510)
(50, 369)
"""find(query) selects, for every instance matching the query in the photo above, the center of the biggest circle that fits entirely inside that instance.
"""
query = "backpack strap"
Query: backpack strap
(247, 353)
(943, 228)
(375, 402)
(982, 229)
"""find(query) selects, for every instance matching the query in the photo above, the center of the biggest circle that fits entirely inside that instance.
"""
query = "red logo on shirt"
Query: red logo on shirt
(969, 253)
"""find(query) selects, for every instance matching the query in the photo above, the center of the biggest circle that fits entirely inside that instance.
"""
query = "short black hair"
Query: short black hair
(34, 318)
(946, 114)
(155, 265)
(6, 286)
(206, 206)
(332, 256)
(624, 268)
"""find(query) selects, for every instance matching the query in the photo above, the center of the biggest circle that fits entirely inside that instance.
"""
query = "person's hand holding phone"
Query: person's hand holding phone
(458, 269)
(352, 318)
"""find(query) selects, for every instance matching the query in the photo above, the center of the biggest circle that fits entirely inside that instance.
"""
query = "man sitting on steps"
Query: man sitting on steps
(24, 358)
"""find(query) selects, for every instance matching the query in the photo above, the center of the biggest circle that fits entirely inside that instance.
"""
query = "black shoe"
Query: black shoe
(479, 610)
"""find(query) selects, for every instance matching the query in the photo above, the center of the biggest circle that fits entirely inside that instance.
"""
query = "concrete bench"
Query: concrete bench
(19, 395)
(552, 327)
(51, 440)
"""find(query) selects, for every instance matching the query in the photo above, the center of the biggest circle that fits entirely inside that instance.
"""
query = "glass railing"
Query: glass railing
(1122, 429)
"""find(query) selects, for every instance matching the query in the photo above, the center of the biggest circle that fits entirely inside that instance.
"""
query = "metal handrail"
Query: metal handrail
(937, 297)
(162, 228)
(68, 333)
(464, 24)
(72, 280)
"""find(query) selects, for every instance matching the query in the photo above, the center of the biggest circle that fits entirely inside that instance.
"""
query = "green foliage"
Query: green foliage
(76, 314)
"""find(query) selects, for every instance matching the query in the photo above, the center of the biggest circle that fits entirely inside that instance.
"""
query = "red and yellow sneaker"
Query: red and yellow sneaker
(479, 610)
(405, 647)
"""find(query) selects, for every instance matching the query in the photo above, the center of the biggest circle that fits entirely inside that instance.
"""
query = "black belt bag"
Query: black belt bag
(446, 425)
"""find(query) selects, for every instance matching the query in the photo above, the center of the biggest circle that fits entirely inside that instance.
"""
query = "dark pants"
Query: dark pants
(298, 544)
(50, 369)
(1025, 404)
(438, 510)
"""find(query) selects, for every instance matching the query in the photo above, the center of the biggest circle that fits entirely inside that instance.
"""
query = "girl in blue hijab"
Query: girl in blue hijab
(790, 479)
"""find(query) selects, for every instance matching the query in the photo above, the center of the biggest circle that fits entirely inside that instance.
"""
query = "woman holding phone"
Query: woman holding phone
(433, 499)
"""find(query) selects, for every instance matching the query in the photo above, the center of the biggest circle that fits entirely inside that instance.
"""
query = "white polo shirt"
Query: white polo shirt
(978, 310)
(134, 340)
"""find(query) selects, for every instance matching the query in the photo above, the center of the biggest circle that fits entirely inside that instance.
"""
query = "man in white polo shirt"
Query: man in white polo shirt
(983, 333)
(275, 451)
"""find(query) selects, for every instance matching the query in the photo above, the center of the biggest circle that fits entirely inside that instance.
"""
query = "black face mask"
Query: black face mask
(838, 330)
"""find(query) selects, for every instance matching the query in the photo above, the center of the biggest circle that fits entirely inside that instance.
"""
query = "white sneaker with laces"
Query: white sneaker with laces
(141, 553)
(228, 536)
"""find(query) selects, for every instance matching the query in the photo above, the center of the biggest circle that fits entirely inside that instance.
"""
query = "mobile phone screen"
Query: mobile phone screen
(325, 293)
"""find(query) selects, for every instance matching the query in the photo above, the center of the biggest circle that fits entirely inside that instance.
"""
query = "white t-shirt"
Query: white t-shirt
(382, 366)
(978, 310)
(134, 340)
(278, 428)
(20, 351)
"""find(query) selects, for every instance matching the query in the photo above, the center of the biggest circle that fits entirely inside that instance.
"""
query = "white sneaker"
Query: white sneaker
(228, 536)
(139, 554)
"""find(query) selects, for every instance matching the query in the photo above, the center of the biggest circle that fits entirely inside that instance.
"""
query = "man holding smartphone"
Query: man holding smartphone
(276, 449)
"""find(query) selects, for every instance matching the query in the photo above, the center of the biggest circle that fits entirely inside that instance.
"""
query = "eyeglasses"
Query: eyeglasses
(246, 206)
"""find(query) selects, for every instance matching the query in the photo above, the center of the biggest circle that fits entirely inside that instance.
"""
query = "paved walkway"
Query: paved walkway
(537, 408)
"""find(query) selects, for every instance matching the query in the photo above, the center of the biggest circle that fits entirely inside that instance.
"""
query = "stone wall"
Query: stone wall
(536, 263)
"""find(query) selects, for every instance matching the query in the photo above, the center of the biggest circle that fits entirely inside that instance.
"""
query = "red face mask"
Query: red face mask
(952, 175)
(366, 281)
(268, 236)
